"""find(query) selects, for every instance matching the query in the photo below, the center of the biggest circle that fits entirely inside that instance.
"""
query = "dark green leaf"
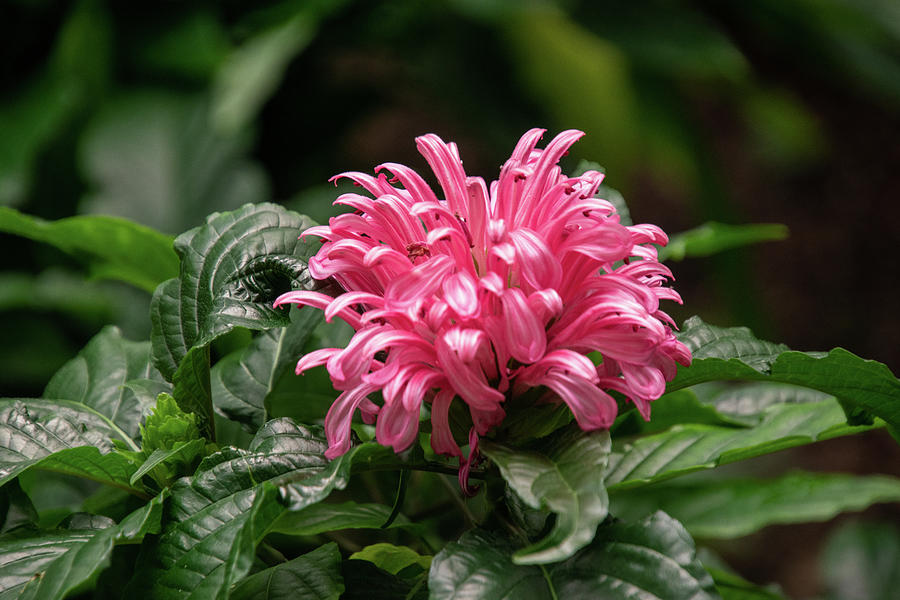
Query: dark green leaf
(712, 238)
(316, 575)
(113, 248)
(61, 436)
(728, 508)
(654, 558)
(860, 562)
(365, 581)
(16, 509)
(322, 517)
(566, 477)
(51, 565)
(233, 267)
(215, 519)
(99, 375)
(192, 391)
(243, 381)
(687, 448)
(734, 354)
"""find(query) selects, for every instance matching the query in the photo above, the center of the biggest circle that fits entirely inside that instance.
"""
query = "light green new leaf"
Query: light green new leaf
(693, 447)
(391, 558)
(98, 378)
(111, 247)
(735, 354)
(243, 381)
(712, 238)
(654, 558)
(729, 508)
(566, 477)
(61, 436)
(315, 575)
(233, 267)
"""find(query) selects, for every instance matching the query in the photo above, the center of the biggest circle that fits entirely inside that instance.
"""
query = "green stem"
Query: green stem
(549, 583)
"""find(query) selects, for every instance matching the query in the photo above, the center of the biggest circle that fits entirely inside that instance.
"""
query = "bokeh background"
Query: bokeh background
(781, 111)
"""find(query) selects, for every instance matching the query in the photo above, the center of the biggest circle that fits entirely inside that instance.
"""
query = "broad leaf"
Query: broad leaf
(654, 558)
(712, 238)
(111, 247)
(232, 269)
(99, 375)
(61, 436)
(743, 404)
(364, 581)
(735, 354)
(565, 477)
(243, 381)
(687, 448)
(49, 565)
(215, 519)
(191, 389)
(322, 517)
(391, 558)
(316, 575)
(728, 508)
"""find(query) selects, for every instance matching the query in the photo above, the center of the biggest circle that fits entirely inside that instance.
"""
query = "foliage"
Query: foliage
(142, 151)
(563, 513)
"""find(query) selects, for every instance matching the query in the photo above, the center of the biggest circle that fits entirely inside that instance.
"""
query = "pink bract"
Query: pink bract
(487, 293)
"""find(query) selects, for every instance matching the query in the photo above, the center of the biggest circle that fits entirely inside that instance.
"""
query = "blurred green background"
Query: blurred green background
(767, 111)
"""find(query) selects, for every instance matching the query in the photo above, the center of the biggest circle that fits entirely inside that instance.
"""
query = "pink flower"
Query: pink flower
(486, 293)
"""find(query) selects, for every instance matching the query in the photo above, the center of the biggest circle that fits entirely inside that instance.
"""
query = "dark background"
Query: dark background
(783, 111)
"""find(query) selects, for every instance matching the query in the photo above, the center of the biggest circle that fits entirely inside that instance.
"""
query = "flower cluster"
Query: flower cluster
(486, 293)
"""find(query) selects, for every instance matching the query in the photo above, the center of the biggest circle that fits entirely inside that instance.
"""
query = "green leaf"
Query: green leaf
(860, 561)
(322, 517)
(99, 375)
(111, 247)
(51, 565)
(744, 404)
(215, 519)
(61, 436)
(735, 354)
(167, 426)
(192, 390)
(729, 508)
(243, 381)
(565, 477)
(154, 158)
(734, 587)
(232, 269)
(688, 448)
(316, 575)
(654, 558)
(56, 290)
(364, 581)
(712, 238)
(183, 453)
(391, 558)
